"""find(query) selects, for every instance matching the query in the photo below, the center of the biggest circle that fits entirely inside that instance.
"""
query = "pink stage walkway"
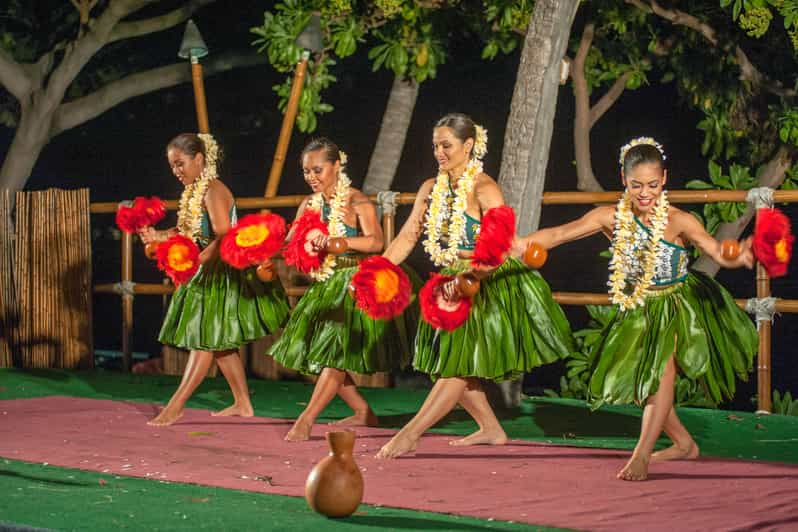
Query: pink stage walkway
(523, 481)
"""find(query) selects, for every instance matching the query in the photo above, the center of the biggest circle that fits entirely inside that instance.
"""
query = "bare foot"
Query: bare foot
(235, 410)
(399, 445)
(480, 437)
(166, 417)
(360, 419)
(635, 469)
(676, 452)
(300, 431)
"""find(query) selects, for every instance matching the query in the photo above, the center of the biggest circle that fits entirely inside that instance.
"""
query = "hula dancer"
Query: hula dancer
(327, 334)
(668, 317)
(220, 307)
(513, 324)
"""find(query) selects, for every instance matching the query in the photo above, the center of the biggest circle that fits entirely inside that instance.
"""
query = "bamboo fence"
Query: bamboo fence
(268, 368)
(8, 314)
(52, 270)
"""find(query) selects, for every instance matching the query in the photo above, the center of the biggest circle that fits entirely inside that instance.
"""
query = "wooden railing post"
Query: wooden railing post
(763, 369)
(387, 201)
(127, 301)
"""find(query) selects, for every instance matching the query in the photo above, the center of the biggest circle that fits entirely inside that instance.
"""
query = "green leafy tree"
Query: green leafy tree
(62, 64)
(405, 37)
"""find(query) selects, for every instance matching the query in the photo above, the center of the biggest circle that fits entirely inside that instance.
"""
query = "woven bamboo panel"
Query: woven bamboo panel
(8, 310)
(53, 278)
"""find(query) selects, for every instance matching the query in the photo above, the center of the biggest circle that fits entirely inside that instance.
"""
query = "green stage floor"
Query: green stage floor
(45, 496)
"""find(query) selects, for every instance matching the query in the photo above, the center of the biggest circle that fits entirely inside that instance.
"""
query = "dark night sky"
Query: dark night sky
(121, 154)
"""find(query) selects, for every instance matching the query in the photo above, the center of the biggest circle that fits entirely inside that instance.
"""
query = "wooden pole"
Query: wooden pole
(388, 227)
(763, 369)
(199, 95)
(288, 125)
(127, 301)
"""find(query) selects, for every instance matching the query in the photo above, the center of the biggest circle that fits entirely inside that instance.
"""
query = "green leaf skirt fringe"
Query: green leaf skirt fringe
(221, 308)
(327, 330)
(697, 321)
(514, 326)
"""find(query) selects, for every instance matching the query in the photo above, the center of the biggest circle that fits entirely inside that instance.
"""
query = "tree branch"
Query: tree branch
(13, 76)
(772, 176)
(128, 30)
(748, 70)
(81, 50)
(81, 110)
(609, 98)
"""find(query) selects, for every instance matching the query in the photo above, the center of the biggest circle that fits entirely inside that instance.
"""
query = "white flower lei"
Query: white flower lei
(625, 260)
(189, 214)
(335, 223)
(438, 212)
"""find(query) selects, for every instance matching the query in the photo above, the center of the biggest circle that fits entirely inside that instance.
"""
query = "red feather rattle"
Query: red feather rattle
(773, 241)
(772, 244)
(143, 212)
(253, 241)
(178, 257)
(380, 288)
(300, 251)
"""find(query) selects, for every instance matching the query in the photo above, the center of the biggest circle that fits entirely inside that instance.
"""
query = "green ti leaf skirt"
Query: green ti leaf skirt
(697, 321)
(327, 330)
(514, 326)
(221, 308)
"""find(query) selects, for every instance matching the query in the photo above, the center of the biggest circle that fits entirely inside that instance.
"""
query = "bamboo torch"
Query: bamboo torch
(193, 48)
(310, 41)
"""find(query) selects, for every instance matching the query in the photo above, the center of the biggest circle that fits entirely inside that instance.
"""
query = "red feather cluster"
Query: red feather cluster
(255, 238)
(144, 212)
(178, 257)
(495, 237)
(438, 312)
(773, 241)
(382, 289)
(298, 251)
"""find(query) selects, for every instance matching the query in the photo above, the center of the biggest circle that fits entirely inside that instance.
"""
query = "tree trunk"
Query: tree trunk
(585, 179)
(391, 139)
(31, 136)
(772, 176)
(531, 121)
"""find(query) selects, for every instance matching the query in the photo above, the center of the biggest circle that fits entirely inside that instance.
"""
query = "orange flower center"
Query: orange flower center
(252, 235)
(781, 250)
(178, 257)
(386, 285)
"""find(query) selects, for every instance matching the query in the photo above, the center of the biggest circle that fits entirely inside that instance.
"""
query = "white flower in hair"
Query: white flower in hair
(480, 142)
(637, 142)
(342, 157)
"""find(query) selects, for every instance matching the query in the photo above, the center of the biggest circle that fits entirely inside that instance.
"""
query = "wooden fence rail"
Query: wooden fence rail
(127, 288)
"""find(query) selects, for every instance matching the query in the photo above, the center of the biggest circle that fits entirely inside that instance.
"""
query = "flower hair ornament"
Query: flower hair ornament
(480, 143)
(637, 142)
